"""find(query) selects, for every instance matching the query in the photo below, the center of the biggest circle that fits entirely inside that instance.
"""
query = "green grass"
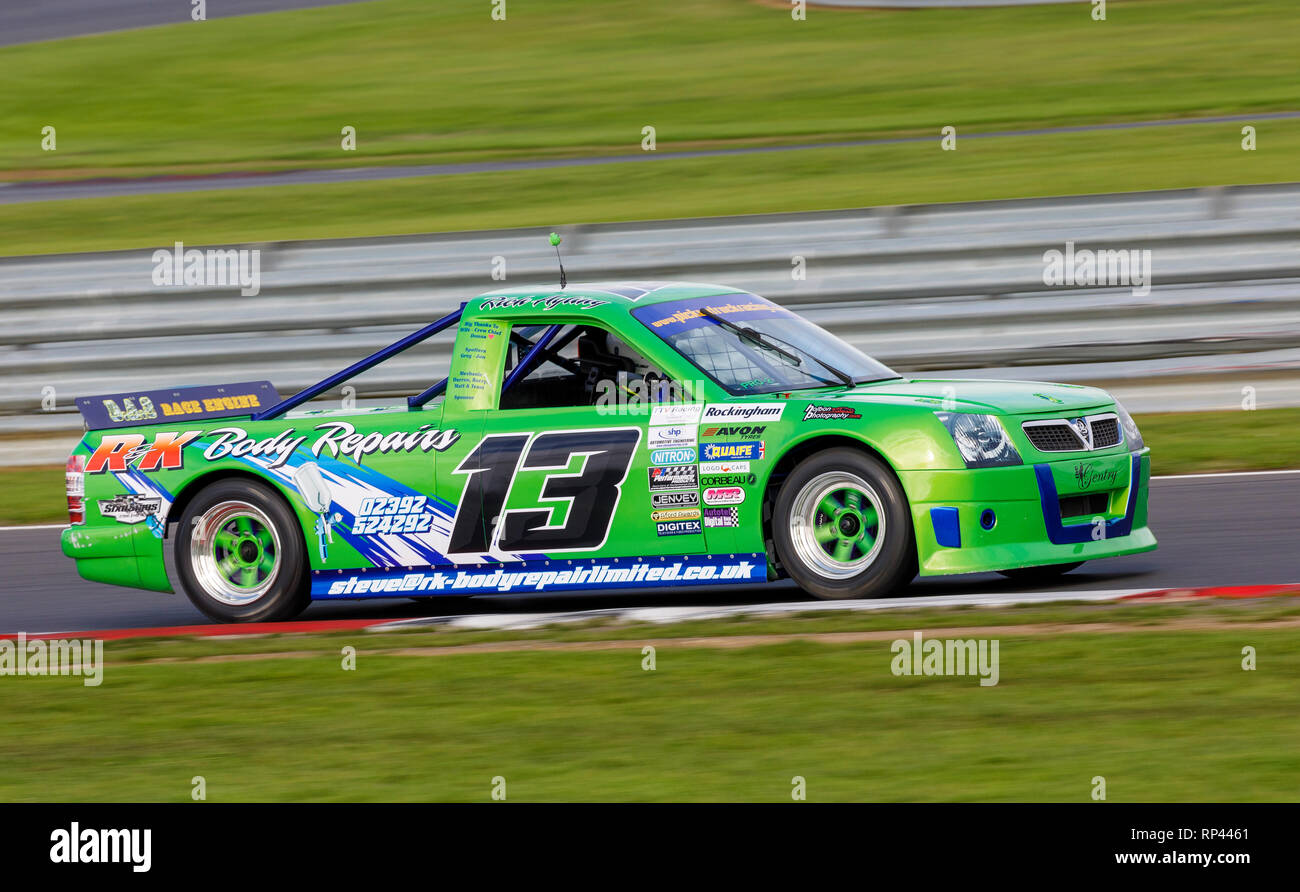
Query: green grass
(1018, 167)
(1162, 716)
(1245, 441)
(424, 81)
(442, 82)
(1187, 442)
(35, 495)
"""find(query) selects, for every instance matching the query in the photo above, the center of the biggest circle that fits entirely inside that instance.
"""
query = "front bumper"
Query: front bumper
(1003, 518)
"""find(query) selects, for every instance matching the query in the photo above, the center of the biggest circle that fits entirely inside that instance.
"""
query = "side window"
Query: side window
(583, 365)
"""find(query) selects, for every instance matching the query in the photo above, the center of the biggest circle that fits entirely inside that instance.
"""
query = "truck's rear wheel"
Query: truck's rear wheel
(842, 527)
(240, 554)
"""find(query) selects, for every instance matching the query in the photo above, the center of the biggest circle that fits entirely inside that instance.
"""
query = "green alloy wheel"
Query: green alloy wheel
(240, 553)
(842, 526)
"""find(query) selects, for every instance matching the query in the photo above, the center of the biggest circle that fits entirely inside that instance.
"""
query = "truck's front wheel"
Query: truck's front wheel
(842, 527)
(240, 554)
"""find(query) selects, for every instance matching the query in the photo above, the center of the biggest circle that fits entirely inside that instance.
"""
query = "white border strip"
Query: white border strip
(1224, 474)
(510, 621)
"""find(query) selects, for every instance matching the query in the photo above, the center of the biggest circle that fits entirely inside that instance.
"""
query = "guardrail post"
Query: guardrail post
(1220, 202)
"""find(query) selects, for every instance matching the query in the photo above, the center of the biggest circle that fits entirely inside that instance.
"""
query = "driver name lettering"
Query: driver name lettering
(545, 303)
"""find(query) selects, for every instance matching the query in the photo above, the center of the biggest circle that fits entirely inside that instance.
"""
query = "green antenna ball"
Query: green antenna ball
(555, 238)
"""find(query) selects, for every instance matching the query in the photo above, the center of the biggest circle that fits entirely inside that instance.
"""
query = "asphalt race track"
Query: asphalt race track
(1214, 530)
(29, 21)
(21, 192)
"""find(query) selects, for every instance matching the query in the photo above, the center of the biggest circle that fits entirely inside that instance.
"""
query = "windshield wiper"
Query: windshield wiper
(766, 342)
(845, 379)
(754, 337)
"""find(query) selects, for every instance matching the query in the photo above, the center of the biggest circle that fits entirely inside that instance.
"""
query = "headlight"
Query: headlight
(981, 439)
(1131, 432)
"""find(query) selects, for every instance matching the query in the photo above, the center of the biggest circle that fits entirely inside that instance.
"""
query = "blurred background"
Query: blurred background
(902, 176)
(899, 175)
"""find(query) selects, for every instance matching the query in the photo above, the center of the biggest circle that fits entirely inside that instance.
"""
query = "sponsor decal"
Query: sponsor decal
(316, 493)
(674, 499)
(234, 442)
(116, 451)
(392, 514)
(729, 480)
(743, 451)
(829, 413)
(543, 575)
(339, 438)
(130, 508)
(1049, 398)
(676, 514)
(724, 495)
(724, 467)
(740, 305)
(743, 412)
(1089, 475)
(734, 430)
(673, 477)
(673, 457)
(721, 517)
(181, 403)
(481, 344)
(673, 436)
(542, 303)
(675, 413)
(678, 528)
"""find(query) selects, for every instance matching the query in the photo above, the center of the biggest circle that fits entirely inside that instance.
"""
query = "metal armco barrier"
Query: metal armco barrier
(922, 288)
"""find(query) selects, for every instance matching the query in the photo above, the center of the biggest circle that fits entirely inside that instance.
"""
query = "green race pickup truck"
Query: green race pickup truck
(603, 436)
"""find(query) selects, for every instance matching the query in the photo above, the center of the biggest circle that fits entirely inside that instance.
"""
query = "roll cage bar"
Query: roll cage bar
(536, 350)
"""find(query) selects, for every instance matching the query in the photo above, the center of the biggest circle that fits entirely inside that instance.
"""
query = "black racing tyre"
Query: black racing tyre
(842, 526)
(1045, 573)
(240, 554)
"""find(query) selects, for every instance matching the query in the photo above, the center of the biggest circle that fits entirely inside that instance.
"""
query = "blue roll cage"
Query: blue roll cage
(536, 349)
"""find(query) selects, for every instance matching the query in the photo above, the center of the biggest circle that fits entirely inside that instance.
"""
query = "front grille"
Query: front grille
(1087, 505)
(1105, 432)
(1064, 435)
(1053, 437)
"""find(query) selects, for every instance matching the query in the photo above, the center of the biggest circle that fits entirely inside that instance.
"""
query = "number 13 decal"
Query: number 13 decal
(591, 492)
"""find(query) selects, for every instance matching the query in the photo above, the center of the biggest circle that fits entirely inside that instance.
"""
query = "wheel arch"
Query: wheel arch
(197, 484)
(796, 453)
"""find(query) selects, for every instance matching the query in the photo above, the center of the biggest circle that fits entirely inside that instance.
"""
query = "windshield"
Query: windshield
(750, 345)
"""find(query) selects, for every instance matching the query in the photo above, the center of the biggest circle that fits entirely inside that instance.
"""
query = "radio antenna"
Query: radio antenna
(555, 242)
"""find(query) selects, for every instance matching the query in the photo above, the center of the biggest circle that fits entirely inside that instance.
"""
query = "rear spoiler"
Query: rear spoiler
(183, 404)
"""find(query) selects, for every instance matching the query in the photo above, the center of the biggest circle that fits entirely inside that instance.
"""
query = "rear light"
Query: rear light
(76, 488)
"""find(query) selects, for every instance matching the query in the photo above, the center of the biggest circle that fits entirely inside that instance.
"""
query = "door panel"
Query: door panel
(570, 482)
